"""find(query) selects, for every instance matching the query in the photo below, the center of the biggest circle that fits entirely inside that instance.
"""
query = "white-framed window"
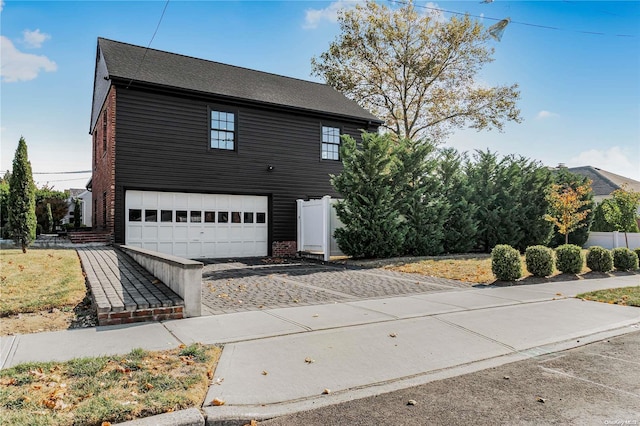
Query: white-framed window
(330, 143)
(223, 130)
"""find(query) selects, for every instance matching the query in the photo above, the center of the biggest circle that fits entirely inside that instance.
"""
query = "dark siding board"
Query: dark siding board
(162, 144)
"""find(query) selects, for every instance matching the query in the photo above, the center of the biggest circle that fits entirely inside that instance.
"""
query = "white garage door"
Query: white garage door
(197, 225)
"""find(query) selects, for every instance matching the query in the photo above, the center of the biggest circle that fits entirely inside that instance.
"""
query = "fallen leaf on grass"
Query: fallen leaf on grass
(9, 381)
(217, 402)
(265, 372)
(251, 423)
(542, 400)
(210, 374)
(106, 424)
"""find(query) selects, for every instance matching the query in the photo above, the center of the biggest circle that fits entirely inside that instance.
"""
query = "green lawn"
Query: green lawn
(629, 296)
(39, 280)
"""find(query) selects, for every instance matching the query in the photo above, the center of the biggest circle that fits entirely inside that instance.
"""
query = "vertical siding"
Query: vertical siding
(163, 144)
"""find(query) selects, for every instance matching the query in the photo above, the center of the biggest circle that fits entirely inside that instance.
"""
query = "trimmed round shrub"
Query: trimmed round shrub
(637, 252)
(599, 259)
(569, 259)
(624, 259)
(539, 260)
(505, 263)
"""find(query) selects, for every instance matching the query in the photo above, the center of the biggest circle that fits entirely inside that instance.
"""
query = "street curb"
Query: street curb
(188, 417)
(242, 415)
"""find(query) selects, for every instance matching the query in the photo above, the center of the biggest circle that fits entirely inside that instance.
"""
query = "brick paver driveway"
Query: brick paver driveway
(258, 283)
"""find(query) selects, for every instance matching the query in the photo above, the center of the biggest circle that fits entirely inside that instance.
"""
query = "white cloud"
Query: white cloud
(615, 160)
(546, 114)
(330, 13)
(19, 66)
(35, 38)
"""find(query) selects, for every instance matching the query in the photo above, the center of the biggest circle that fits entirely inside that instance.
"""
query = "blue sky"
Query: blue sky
(580, 91)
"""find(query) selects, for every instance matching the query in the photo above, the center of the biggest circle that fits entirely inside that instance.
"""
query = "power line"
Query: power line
(61, 180)
(546, 27)
(61, 173)
(149, 45)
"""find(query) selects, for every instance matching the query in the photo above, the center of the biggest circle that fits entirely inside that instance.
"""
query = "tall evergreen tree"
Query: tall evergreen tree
(77, 213)
(510, 198)
(4, 202)
(420, 198)
(368, 209)
(22, 199)
(482, 171)
(49, 221)
(460, 225)
(534, 229)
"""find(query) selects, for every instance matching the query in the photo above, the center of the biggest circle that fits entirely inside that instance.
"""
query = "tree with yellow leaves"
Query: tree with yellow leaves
(564, 207)
(417, 72)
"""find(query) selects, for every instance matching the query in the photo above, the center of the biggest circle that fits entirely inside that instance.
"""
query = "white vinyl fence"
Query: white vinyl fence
(317, 221)
(611, 240)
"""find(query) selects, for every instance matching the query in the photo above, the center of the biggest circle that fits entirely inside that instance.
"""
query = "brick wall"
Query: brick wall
(284, 249)
(142, 315)
(103, 179)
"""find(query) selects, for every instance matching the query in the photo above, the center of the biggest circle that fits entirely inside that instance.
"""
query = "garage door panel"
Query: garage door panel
(165, 233)
(150, 246)
(208, 247)
(180, 249)
(180, 233)
(164, 247)
(195, 234)
(150, 233)
(186, 224)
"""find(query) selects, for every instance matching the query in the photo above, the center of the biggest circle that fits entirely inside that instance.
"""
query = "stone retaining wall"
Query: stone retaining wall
(183, 276)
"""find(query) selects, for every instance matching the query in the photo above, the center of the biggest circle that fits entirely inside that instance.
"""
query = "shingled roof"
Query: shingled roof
(125, 61)
(604, 182)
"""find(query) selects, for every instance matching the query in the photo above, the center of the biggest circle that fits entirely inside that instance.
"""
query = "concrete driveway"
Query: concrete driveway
(250, 284)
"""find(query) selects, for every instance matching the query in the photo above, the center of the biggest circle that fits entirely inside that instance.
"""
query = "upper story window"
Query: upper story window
(330, 143)
(223, 130)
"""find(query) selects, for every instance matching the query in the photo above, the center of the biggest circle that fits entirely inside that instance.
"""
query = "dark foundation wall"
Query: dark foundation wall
(163, 145)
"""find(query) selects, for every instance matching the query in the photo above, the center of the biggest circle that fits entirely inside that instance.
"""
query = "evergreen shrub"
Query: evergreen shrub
(569, 259)
(599, 259)
(540, 261)
(505, 263)
(624, 259)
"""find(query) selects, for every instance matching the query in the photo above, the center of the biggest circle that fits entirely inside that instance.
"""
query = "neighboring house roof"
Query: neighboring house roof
(604, 182)
(75, 192)
(138, 64)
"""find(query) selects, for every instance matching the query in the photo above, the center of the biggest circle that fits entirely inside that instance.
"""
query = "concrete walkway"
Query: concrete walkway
(356, 348)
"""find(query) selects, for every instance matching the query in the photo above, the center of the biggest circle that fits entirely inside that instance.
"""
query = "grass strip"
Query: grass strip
(91, 391)
(627, 296)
